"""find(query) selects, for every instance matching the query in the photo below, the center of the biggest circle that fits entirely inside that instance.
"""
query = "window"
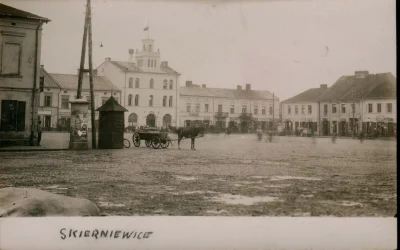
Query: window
(219, 108)
(389, 108)
(137, 100)
(148, 62)
(171, 84)
(47, 100)
(151, 63)
(131, 82)
(155, 63)
(325, 109)
(333, 108)
(296, 109)
(11, 59)
(379, 108)
(188, 108)
(170, 101)
(198, 108)
(270, 110)
(343, 108)
(164, 101)
(369, 107)
(151, 83)
(151, 101)
(206, 107)
(289, 110)
(165, 84)
(88, 99)
(150, 48)
(130, 99)
(263, 111)
(103, 100)
(137, 83)
(309, 109)
(65, 101)
(12, 115)
(232, 109)
(255, 110)
(244, 109)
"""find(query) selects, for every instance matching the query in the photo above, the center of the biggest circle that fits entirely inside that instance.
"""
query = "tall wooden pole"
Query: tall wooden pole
(273, 111)
(91, 77)
(82, 65)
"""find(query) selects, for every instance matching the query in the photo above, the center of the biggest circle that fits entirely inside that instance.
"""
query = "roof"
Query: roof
(48, 80)
(348, 88)
(69, 81)
(383, 90)
(131, 67)
(310, 95)
(8, 11)
(111, 105)
(226, 93)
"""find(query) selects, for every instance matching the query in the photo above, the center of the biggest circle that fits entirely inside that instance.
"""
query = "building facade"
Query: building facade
(60, 89)
(20, 39)
(302, 110)
(239, 109)
(150, 88)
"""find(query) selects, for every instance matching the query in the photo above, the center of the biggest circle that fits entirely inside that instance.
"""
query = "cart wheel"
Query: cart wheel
(148, 143)
(164, 143)
(127, 143)
(169, 141)
(155, 142)
(136, 139)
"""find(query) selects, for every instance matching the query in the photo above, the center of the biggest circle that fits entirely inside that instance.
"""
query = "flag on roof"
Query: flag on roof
(146, 28)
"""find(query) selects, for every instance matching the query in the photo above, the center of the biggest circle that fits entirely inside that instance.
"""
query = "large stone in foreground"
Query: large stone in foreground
(29, 202)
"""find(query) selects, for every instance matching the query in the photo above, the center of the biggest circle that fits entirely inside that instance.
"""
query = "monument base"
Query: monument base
(78, 146)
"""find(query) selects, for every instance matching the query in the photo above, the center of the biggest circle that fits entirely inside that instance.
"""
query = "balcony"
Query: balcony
(221, 114)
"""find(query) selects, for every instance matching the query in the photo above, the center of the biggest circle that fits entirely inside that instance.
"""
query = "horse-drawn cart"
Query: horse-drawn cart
(152, 138)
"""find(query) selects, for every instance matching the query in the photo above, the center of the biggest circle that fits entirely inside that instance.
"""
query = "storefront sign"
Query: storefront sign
(44, 112)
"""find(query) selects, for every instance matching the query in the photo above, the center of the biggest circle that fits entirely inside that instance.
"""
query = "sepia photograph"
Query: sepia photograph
(197, 108)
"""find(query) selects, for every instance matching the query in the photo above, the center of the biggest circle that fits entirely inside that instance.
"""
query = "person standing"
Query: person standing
(39, 130)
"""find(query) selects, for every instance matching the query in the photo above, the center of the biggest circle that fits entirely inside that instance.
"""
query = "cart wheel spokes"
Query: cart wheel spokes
(127, 143)
(155, 142)
(148, 143)
(136, 139)
(164, 143)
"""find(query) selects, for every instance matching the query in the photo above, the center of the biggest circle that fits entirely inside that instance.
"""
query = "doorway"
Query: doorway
(151, 120)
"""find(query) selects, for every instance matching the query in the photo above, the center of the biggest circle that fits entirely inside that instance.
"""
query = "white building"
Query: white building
(150, 88)
(301, 111)
(243, 109)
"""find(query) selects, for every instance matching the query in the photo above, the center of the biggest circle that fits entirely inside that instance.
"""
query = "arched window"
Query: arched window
(130, 97)
(137, 100)
(170, 101)
(171, 84)
(148, 62)
(132, 119)
(151, 83)
(165, 84)
(137, 82)
(150, 48)
(130, 82)
(164, 101)
(151, 101)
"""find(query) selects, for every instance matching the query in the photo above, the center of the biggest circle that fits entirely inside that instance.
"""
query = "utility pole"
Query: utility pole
(87, 38)
(273, 111)
(354, 107)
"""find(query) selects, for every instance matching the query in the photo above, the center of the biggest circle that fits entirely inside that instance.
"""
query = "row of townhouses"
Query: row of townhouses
(356, 103)
(150, 90)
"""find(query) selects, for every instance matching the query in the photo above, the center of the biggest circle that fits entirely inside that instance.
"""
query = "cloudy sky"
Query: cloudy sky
(284, 46)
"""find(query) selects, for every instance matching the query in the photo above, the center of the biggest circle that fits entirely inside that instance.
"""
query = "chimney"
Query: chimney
(203, 85)
(95, 72)
(361, 74)
(108, 59)
(323, 86)
(248, 86)
(42, 66)
(189, 83)
(239, 87)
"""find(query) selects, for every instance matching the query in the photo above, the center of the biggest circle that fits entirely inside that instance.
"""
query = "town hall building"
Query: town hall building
(150, 88)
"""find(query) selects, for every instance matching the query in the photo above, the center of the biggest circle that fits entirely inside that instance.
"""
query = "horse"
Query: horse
(188, 132)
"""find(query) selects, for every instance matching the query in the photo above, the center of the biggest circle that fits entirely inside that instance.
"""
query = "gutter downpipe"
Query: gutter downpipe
(319, 118)
(35, 73)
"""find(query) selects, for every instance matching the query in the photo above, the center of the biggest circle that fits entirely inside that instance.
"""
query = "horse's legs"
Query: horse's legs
(179, 141)
(193, 140)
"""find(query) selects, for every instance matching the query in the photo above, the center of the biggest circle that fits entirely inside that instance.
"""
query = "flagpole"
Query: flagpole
(148, 30)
